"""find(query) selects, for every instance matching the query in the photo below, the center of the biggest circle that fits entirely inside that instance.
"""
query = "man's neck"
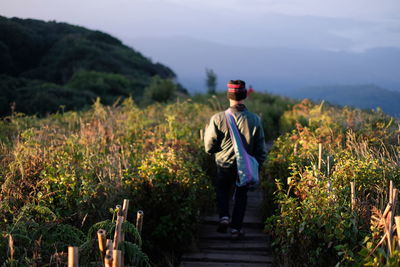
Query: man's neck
(235, 102)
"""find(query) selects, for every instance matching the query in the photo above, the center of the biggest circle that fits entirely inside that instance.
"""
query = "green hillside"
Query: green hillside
(47, 64)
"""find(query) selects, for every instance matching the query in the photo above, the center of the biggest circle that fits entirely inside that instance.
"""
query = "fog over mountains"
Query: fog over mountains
(274, 69)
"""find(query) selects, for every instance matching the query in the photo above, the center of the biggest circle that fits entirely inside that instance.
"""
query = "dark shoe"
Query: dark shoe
(236, 234)
(223, 225)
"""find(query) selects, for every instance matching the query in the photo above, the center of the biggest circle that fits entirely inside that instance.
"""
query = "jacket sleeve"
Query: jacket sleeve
(260, 148)
(212, 139)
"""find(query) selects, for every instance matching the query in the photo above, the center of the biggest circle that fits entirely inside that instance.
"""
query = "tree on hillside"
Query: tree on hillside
(211, 81)
(159, 90)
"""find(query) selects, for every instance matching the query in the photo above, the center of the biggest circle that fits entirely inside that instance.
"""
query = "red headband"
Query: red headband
(235, 86)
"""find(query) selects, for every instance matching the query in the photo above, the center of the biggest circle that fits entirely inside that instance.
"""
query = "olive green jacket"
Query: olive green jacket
(217, 138)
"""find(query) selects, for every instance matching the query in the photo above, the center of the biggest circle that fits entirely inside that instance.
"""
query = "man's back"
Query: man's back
(217, 139)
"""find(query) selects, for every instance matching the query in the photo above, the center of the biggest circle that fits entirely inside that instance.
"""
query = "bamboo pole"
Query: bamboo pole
(139, 220)
(353, 196)
(117, 233)
(101, 237)
(125, 208)
(117, 256)
(73, 258)
(397, 221)
(109, 244)
(108, 259)
(319, 156)
(118, 210)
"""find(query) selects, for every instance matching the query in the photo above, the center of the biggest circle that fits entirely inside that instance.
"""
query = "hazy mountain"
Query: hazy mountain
(275, 69)
(361, 96)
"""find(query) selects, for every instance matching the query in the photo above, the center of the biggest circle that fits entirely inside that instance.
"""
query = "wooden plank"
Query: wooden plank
(249, 237)
(249, 221)
(228, 258)
(255, 252)
(222, 264)
(247, 246)
(212, 229)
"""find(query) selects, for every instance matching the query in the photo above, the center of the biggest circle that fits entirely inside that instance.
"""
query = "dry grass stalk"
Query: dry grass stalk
(389, 219)
(397, 222)
(11, 249)
(353, 196)
(319, 156)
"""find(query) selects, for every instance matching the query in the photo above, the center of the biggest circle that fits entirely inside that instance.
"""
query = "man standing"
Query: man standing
(217, 140)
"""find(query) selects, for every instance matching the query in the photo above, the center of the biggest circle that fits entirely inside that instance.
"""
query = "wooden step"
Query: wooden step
(211, 229)
(249, 237)
(250, 245)
(222, 264)
(227, 258)
(249, 221)
(255, 252)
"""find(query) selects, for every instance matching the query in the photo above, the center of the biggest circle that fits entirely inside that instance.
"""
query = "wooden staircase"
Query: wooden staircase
(215, 249)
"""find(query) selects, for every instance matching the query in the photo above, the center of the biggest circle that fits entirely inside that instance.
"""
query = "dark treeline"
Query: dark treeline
(45, 65)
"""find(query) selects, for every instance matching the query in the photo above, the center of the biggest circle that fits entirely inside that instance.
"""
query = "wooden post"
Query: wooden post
(101, 237)
(353, 196)
(117, 256)
(108, 259)
(73, 258)
(397, 221)
(319, 156)
(117, 233)
(201, 134)
(139, 220)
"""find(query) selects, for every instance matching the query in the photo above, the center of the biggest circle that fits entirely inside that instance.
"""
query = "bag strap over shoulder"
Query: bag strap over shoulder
(233, 129)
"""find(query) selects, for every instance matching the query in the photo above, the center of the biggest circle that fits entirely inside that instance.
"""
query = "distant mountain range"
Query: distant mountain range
(275, 69)
(361, 96)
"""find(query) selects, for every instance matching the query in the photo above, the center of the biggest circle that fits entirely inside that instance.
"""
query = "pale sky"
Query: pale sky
(353, 25)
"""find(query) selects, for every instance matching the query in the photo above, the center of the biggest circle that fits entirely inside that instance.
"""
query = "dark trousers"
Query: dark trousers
(225, 182)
